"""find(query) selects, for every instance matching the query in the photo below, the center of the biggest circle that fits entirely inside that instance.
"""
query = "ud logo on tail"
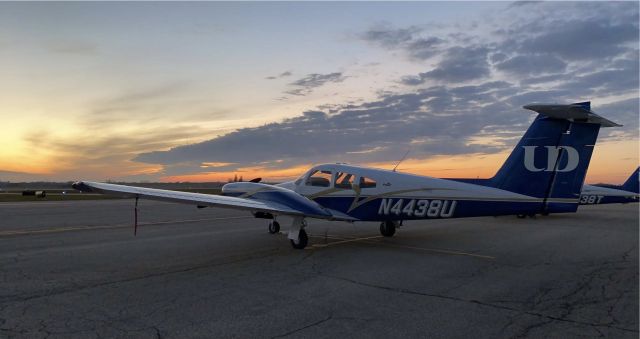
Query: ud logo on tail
(552, 156)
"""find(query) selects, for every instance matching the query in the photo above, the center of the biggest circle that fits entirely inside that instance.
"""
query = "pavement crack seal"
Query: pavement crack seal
(304, 327)
(477, 302)
(158, 333)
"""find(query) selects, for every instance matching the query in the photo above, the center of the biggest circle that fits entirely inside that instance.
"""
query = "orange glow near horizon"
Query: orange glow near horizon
(247, 174)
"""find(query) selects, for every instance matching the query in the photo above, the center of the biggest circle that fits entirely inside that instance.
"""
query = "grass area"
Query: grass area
(56, 195)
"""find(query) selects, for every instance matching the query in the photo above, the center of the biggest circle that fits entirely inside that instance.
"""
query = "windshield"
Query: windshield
(301, 178)
(319, 178)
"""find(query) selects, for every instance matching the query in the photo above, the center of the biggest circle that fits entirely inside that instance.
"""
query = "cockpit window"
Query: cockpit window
(344, 180)
(319, 178)
(367, 182)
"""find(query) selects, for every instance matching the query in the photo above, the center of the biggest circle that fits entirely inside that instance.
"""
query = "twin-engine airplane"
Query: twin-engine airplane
(612, 194)
(544, 174)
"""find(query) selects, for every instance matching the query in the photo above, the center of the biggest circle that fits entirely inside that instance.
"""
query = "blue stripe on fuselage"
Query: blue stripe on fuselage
(370, 211)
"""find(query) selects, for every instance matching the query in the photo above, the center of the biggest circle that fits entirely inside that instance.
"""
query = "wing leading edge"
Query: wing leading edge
(199, 199)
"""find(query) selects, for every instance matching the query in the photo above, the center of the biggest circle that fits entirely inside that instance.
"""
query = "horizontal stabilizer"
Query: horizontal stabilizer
(578, 112)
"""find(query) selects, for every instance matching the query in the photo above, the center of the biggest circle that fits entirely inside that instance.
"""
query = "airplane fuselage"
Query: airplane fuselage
(370, 194)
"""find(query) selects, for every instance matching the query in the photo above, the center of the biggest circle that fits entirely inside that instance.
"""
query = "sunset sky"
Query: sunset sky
(203, 91)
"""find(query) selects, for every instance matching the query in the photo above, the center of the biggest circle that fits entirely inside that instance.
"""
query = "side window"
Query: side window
(344, 180)
(319, 178)
(367, 183)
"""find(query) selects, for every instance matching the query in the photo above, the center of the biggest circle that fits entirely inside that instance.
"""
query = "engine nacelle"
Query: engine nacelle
(280, 195)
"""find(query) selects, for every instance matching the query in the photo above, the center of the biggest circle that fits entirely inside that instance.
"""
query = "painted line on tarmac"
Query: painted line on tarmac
(343, 241)
(436, 250)
(367, 240)
(102, 227)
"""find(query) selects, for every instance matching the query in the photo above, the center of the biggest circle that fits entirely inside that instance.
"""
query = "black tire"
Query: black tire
(387, 228)
(274, 227)
(303, 240)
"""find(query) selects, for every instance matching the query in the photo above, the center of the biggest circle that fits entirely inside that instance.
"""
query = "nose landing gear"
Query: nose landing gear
(274, 227)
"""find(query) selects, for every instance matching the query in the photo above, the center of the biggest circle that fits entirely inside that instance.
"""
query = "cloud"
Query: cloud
(128, 105)
(431, 121)
(626, 113)
(410, 40)
(281, 75)
(458, 64)
(473, 92)
(307, 84)
(583, 39)
(424, 48)
(388, 37)
(532, 64)
(619, 77)
(559, 41)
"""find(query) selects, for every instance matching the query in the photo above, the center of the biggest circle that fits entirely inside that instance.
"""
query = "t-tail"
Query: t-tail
(550, 162)
(633, 183)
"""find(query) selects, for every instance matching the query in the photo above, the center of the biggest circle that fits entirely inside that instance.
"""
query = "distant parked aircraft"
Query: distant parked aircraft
(612, 194)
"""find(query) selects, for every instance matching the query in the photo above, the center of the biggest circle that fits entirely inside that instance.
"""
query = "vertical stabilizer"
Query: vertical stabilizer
(633, 183)
(550, 162)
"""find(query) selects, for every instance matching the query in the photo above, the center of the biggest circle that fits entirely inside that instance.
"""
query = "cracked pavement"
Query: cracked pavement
(75, 270)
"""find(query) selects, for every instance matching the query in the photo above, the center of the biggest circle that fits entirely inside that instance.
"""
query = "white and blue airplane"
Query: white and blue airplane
(612, 194)
(544, 174)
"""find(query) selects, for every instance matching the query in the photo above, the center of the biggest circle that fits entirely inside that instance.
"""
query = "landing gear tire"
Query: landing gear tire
(302, 242)
(274, 227)
(388, 228)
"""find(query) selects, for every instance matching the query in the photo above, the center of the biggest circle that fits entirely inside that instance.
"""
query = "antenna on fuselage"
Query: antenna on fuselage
(401, 159)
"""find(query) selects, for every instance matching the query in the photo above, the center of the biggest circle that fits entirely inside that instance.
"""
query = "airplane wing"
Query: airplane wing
(199, 199)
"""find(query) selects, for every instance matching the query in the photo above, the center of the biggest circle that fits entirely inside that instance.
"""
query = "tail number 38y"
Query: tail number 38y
(418, 207)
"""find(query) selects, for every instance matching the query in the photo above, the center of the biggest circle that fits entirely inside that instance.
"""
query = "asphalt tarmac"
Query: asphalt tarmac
(75, 270)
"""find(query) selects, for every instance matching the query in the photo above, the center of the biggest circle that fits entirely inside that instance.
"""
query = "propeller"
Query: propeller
(256, 180)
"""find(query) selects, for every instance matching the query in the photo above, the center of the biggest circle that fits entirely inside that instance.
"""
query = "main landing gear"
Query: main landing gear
(388, 228)
(297, 235)
(301, 242)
